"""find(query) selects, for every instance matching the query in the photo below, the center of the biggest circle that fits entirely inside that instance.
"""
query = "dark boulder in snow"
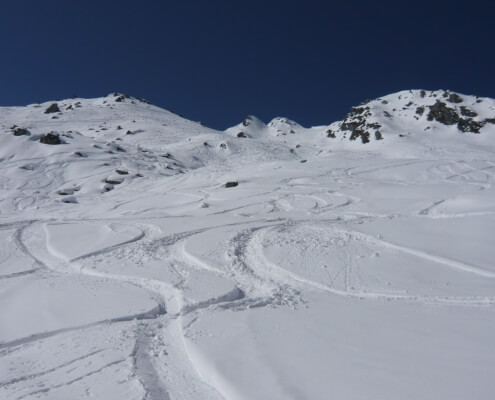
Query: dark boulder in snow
(50, 138)
(111, 181)
(52, 109)
(231, 184)
(455, 98)
(20, 132)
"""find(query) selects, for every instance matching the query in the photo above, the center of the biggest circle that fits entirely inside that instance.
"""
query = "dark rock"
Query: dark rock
(384, 102)
(455, 98)
(121, 97)
(231, 184)
(223, 145)
(443, 114)
(387, 114)
(206, 144)
(241, 135)
(469, 125)
(303, 161)
(112, 181)
(69, 200)
(373, 125)
(80, 154)
(378, 135)
(129, 133)
(422, 94)
(52, 109)
(20, 132)
(331, 134)
(119, 128)
(466, 112)
(490, 120)
(420, 110)
(50, 138)
(364, 135)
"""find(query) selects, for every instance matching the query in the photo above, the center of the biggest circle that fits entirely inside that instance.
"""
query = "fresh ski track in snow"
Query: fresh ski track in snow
(335, 269)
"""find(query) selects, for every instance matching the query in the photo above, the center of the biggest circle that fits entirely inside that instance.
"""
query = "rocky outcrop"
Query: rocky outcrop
(442, 113)
(50, 138)
(52, 109)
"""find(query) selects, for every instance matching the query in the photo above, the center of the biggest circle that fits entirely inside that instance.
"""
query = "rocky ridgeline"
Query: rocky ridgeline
(366, 121)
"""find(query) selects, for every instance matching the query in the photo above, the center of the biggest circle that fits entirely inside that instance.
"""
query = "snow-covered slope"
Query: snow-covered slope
(146, 256)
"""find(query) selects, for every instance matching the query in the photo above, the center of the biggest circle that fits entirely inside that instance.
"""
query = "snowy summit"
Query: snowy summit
(146, 256)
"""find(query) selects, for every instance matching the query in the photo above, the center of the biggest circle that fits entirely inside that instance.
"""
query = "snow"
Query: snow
(335, 269)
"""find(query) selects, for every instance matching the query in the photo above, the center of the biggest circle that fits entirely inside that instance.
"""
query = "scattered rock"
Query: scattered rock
(469, 125)
(52, 109)
(247, 121)
(50, 138)
(420, 110)
(20, 131)
(121, 97)
(466, 112)
(331, 134)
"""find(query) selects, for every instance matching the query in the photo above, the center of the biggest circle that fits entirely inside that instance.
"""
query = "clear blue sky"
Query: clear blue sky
(217, 61)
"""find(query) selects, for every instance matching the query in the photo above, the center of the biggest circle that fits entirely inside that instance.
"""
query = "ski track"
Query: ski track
(163, 363)
(144, 367)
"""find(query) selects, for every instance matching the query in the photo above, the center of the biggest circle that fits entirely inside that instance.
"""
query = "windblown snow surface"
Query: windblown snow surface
(351, 261)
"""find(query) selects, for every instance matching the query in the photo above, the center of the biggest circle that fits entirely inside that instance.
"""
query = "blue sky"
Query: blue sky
(218, 61)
